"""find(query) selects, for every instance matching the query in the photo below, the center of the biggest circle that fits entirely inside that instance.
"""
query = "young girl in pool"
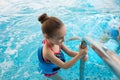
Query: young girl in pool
(112, 33)
(50, 54)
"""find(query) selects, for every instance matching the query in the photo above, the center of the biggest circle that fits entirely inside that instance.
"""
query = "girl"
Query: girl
(50, 54)
(113, 33)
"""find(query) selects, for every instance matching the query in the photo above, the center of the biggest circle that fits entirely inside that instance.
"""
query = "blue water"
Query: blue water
(20, 35)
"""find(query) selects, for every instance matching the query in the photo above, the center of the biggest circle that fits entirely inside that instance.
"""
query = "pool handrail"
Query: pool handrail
(111, 58)
(82, 69)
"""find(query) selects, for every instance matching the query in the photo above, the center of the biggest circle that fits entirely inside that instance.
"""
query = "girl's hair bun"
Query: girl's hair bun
(43, 17)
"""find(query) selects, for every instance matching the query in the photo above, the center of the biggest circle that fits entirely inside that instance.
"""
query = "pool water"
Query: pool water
(20, 35)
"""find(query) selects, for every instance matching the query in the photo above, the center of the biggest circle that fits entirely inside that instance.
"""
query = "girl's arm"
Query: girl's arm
(68, 51)
(50, 56)
(72, 53)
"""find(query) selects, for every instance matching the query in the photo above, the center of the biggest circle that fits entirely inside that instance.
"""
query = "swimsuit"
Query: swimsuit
(47, 67)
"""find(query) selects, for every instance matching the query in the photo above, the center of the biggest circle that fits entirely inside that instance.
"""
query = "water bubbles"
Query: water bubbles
(10, 51)
(26, 74)
(111, 44)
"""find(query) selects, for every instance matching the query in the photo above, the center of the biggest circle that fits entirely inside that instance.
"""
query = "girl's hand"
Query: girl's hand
(83, 52)
(85, 58)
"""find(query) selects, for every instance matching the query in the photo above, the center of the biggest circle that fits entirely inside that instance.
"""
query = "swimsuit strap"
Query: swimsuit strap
(46, 42)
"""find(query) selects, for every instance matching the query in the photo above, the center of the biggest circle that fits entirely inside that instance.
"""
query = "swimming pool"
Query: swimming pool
(20, 35)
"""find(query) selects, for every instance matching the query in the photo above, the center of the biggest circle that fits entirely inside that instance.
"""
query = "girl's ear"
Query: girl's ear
(46, 36)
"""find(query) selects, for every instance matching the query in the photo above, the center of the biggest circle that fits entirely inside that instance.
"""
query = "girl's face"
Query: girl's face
(58, 37)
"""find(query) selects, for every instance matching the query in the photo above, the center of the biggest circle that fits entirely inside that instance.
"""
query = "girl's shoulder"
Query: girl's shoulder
(46, 49)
